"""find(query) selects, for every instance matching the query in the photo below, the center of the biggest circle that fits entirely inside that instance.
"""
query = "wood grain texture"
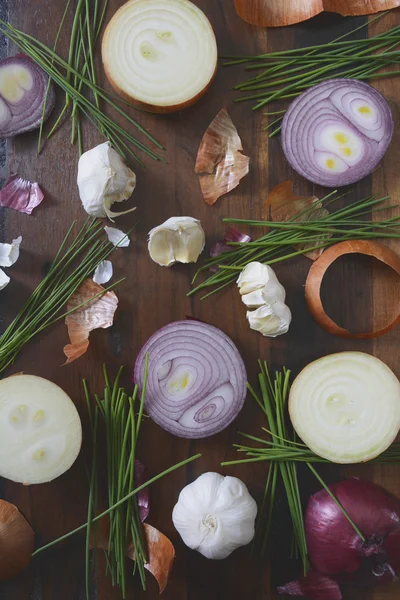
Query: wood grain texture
(153, 296)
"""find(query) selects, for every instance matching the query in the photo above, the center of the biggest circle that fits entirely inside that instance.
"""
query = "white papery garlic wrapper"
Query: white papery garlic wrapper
(215, 515)
(179, 239)
(261, 291)
(104, 178)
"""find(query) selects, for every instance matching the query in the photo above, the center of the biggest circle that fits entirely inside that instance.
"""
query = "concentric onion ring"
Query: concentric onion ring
(346, 407)
(160, 54)
(318, 270)
(197, 379)
(337, 132)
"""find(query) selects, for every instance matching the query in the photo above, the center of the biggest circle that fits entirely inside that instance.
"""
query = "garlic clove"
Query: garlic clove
(270, 319)
(253, 299)
(179, 239)
(103, 178)
(215, 515)
(9, 253)
(273, 292)
(254, 277)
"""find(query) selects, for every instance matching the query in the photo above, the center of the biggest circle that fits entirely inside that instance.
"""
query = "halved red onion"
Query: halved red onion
(336, 132)
(23, 87)
(197, 379)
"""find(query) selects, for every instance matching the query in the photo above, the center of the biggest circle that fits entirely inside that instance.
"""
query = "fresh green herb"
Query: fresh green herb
(78, 79)
(69, 269)
(286, 74)
(276, 246)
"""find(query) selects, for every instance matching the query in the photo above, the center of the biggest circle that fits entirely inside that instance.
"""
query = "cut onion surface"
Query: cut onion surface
(160, 54)
(336, 132)
(40, 430)
(23, 88)
(197, 379)
(346, 407)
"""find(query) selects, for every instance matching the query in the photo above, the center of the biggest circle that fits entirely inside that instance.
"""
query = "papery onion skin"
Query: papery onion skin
(197, 379)
(312, 119)
(25, 114)
(314, 585)
(137, 96)
(17, 541)
(317, 273)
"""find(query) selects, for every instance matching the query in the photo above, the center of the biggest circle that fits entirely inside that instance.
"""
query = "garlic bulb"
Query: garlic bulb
(104, 178)
(215, 515)
(179, 239)
(261, 290)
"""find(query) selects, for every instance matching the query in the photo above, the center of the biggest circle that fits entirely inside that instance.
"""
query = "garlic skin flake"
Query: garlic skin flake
(117, 237)
(104, 178)
(4, 279)
(215, 515)
(9, 253)
(103, 272)
(261, 290)
(179, 239)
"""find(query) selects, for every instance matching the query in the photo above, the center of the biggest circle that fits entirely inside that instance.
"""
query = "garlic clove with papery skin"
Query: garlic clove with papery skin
(254, 277)
(270, 319)
(215, 515)
(104, 178)
(179, 239)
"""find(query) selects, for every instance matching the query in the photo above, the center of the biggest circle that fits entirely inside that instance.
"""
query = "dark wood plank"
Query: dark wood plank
(153, 296)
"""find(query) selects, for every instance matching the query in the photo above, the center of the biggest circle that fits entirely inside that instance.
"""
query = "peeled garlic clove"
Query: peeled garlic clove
(270, 319)
(179, 239)
(215, 515)
(254, 277)
(104, 178)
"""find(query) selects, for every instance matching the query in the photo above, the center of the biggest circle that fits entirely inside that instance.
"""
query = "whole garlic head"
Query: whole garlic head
(179, 239)
(261, 290)
(104, 178)
(215, 515)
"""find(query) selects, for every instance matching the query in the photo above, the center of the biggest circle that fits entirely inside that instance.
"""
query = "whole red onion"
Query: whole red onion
(337, 551)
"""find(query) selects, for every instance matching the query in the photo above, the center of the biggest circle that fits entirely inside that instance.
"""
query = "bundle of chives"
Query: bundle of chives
(76, 80)
(275, 246)
(286, 74)
(69, 269)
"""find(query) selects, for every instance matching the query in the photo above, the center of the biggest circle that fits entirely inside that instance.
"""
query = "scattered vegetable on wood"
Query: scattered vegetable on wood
(197, 379)
(317, 273)
(337, 132)
(9, 254)
(117, 237)
(24, 87)
(103, 272)
(215, 515)
(275, 13)
(21, 194)
(179, 239)
(17, 541)
(41, 432)
(161, 56)
(220, 161)
(103, 179)
(261, 292)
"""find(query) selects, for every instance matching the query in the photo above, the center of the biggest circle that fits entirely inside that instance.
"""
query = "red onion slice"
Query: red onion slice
(336, 132)
(23, 87)
(197, 379)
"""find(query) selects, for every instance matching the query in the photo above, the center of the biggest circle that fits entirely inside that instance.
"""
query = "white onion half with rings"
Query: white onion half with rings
(197, 379)
(346, 407)
(161, 54)
(335, 133)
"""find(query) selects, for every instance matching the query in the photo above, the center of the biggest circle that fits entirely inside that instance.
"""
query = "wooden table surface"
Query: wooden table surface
(358, 292)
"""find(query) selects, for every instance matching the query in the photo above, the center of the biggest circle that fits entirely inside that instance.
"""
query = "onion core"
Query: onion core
(40, 430)
(197, 379)
(336, 132)
(346, 407)
(160, 54)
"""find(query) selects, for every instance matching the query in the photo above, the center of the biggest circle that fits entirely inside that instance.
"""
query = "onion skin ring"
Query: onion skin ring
(317, 273)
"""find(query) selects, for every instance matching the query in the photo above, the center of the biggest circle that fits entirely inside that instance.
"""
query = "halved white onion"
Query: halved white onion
(40, 430)
(162, 54)
(346, 407)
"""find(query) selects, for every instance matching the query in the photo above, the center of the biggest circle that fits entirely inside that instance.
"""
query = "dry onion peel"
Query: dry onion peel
(160, 553)
(220, 162)
(283, 205)
(318, 270)
(278, 13)
(20, 194)
(94, 314)
(346, 407)
(40, 430)
(17, 541)
(161, 55)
